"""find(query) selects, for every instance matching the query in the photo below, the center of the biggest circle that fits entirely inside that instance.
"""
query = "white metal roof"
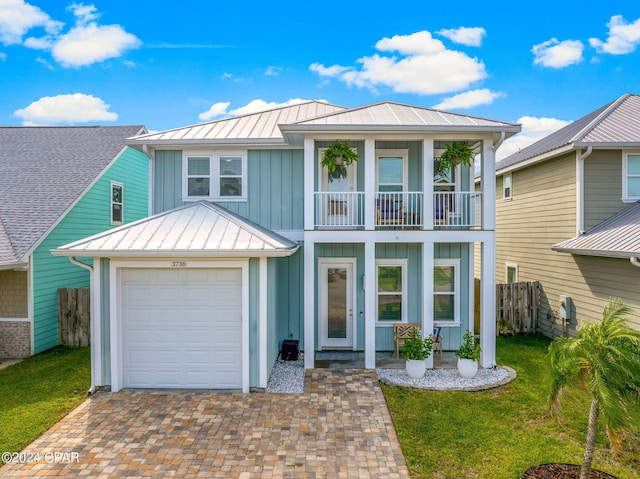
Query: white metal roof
(261, 126)
(617, 237)
(199, 229)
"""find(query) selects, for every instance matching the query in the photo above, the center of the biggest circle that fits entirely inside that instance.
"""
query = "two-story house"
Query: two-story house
(567, 215)
(252, 242)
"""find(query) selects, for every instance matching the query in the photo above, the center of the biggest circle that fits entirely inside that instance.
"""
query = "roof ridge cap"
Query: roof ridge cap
(608, 109)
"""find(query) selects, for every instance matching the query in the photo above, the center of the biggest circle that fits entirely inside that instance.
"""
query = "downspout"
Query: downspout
(497, 144)
(635, 261)
(145, 150)
(580, 190)
(88, 267)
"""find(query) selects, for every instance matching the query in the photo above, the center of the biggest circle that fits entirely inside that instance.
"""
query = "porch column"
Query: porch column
(488, 178)
(262, 322)
(427, 184)
(95, 329)
(370, 314)
(309, 309)
(309, 190)
(427, 293)
(369, 183)
(488, 304)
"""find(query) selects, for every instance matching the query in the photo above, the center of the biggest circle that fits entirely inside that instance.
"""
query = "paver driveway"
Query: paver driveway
(339, 428)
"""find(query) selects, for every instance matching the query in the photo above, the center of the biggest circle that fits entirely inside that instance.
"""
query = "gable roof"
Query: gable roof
(200, 229)
(616, 124)
(260, 127)
(43, 171)
(616, 237)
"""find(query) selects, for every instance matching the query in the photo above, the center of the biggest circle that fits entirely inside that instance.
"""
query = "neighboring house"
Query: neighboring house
(568, 216)
(251, 244)
(57, 184)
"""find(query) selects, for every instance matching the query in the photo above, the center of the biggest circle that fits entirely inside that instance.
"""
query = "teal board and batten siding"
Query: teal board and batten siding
(275, 198)
(90, 215)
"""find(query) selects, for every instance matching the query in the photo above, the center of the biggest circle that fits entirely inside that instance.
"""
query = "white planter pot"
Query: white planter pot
(467, 368)
(416, 368)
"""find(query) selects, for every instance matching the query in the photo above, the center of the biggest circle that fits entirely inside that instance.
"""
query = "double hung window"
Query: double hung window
(215, 175)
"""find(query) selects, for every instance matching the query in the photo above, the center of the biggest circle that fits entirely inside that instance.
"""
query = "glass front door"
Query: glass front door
(336, 305)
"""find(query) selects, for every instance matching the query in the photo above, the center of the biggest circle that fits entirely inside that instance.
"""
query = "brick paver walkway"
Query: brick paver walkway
(339, 428)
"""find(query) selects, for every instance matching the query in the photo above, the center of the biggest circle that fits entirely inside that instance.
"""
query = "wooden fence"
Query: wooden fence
(517, 307)
(74, 310)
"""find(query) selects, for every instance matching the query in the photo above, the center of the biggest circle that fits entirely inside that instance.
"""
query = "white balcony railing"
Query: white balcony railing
(398, 210)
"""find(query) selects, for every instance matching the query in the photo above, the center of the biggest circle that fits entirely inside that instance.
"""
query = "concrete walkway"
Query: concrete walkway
(339, 428)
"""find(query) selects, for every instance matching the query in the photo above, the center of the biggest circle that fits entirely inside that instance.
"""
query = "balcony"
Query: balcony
(398, 210)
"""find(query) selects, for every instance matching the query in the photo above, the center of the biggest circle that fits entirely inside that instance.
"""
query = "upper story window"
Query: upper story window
(631, 177)
(117, 203)
(506, 187)
(215, 175)
(392, 170)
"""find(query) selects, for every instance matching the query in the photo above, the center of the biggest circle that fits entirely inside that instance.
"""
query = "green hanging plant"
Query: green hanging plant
(337, 158)
(456, 153)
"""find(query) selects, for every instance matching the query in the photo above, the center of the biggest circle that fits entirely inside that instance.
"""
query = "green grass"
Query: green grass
(501, 432)
(38, 391)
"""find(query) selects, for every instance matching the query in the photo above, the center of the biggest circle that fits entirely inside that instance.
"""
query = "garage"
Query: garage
(181, 328)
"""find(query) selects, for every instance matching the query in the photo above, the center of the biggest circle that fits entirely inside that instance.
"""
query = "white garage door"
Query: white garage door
(182, 328)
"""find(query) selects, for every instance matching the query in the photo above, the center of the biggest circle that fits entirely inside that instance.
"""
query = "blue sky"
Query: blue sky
(115, 62)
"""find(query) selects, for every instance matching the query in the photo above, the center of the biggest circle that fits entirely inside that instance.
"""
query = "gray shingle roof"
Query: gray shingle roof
(199, 229)
(614, 124)
(43, 170)
(617, 237)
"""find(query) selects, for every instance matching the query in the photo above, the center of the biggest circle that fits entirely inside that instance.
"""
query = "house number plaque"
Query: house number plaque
(178, 264)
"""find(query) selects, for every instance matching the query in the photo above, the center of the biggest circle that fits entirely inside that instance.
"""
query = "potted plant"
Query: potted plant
(337, 158)
(468, 355)
(456, 153)
(416, 350)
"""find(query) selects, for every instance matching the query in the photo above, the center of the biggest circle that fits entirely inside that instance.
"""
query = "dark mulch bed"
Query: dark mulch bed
(562, 471)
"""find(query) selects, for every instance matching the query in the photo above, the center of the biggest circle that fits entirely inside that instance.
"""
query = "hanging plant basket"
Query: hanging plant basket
(456, 153)
(337, 158)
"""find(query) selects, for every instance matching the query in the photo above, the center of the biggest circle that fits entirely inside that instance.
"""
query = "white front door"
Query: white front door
(338, 205)
(335, 303)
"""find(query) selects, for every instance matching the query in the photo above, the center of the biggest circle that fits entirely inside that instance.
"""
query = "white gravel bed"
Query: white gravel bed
(449, 379)
(287, 377)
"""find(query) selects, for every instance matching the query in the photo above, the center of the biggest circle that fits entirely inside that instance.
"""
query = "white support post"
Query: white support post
(309, 309)
(427, 184)
(488, 178)
(488, 305)
(262, 321)
(96, 328)
(309, 182)
(370, 315)
(369, 183)
(427, 293)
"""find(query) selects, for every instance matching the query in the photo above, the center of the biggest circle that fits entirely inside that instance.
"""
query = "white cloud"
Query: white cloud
(425, 66)
(273, 71)
(44, 63)
(84, 13)
(533, 129)
(18, 17)
(469, 99)
(71, 108)
(3, 56)
(257, 105)
(469, 36)
(216, 110)
(623, 37)
(556, 54)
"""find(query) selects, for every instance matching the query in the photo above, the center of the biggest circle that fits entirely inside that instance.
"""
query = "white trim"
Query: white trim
(393, 153)
(626, 198)
(427, 183)
(488, 304)
(263, 314)
(472, 289)
(369, 285)
(96, 321)
(115, 273)
(507, 265)
(214, 174)
(120, 185)
(31, 304)
(323, 264)
(309, 285)
(455, 262)
(369, 183)
(427, 292)
(402, 262)
(15, 320)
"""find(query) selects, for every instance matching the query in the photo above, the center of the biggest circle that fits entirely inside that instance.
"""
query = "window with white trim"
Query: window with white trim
(446, 291)
(215, 175)
(392, 168)
(117, 203)
(506, 187)
(391, 284)
(631, 177)
(511, 272)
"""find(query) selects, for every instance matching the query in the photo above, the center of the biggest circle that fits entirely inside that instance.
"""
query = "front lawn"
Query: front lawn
(38, 391)
(500, 432)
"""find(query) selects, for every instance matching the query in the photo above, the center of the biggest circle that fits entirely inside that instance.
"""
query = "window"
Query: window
(631, 177)
(117, 203)
(512, 273)
(391, 288)
(446, 286)
(217, 175)
(506, 187)
(392, 170)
